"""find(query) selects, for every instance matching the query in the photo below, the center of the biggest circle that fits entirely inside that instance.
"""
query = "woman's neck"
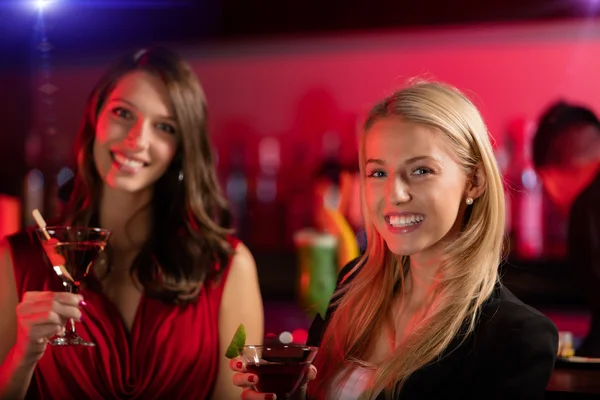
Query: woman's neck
(422, 280)
(128, 216)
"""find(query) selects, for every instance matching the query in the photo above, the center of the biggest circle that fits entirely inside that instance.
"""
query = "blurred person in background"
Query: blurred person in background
(566, 155)
(174, 283)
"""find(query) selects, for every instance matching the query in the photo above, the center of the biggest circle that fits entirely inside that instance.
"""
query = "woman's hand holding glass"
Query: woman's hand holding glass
(247, 382)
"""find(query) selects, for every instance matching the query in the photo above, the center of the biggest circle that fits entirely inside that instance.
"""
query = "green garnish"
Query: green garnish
(237, 343)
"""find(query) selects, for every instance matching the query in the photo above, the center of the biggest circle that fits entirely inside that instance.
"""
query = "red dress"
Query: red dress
(171, 353)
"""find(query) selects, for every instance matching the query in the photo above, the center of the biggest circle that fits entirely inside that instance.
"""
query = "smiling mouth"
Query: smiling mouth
(127, 162)
(404, 221)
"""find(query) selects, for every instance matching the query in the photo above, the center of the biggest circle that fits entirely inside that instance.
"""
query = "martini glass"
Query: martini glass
(72, 251)
(280, 368)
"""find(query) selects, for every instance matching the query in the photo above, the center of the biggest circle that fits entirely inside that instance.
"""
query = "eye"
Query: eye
(376, 173)
(421, 171)
(122, 113)
(166, 128)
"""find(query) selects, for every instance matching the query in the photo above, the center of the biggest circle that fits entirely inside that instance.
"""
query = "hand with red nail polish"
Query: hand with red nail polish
(248, 381)
(41, 316)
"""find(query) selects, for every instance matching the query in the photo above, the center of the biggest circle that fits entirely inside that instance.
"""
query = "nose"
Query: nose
(398, 191)
(137, 137)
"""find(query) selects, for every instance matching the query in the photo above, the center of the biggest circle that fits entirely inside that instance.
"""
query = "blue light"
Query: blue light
(42, 4)
(64, 176)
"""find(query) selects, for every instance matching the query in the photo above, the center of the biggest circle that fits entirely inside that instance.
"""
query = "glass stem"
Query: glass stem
(72, 289)
(72, 323)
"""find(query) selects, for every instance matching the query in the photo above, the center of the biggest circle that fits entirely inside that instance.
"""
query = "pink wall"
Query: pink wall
(304, 86)
(511, 71)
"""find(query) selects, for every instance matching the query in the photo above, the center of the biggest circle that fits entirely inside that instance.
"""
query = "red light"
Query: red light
(299, 336)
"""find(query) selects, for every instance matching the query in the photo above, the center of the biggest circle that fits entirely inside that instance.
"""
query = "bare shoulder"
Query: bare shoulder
(16, 252)
(241, 304)
(5, 249)
(15, 245)
(6, 268)
(243, 261)
(242, 291)
(8, 299)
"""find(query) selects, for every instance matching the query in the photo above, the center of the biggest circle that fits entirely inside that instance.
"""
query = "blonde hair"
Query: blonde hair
(469, 271)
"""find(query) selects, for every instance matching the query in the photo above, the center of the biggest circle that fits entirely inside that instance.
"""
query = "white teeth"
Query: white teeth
(121, 159)
(403, 221)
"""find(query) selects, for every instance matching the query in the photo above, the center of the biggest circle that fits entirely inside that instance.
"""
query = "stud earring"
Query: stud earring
(180, 177)
(469, 201)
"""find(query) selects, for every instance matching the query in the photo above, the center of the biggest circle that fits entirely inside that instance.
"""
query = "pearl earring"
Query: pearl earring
(180, 177)
(469, 201)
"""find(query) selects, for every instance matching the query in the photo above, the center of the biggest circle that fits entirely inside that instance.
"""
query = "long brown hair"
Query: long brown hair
(190, 217)
(469, 272)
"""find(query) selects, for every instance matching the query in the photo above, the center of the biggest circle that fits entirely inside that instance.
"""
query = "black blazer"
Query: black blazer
(510, 355)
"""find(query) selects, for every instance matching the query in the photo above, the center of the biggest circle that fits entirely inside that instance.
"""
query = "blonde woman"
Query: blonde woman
(423, 315)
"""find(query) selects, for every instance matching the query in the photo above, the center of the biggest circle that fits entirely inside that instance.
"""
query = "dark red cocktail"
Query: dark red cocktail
(280, 368)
